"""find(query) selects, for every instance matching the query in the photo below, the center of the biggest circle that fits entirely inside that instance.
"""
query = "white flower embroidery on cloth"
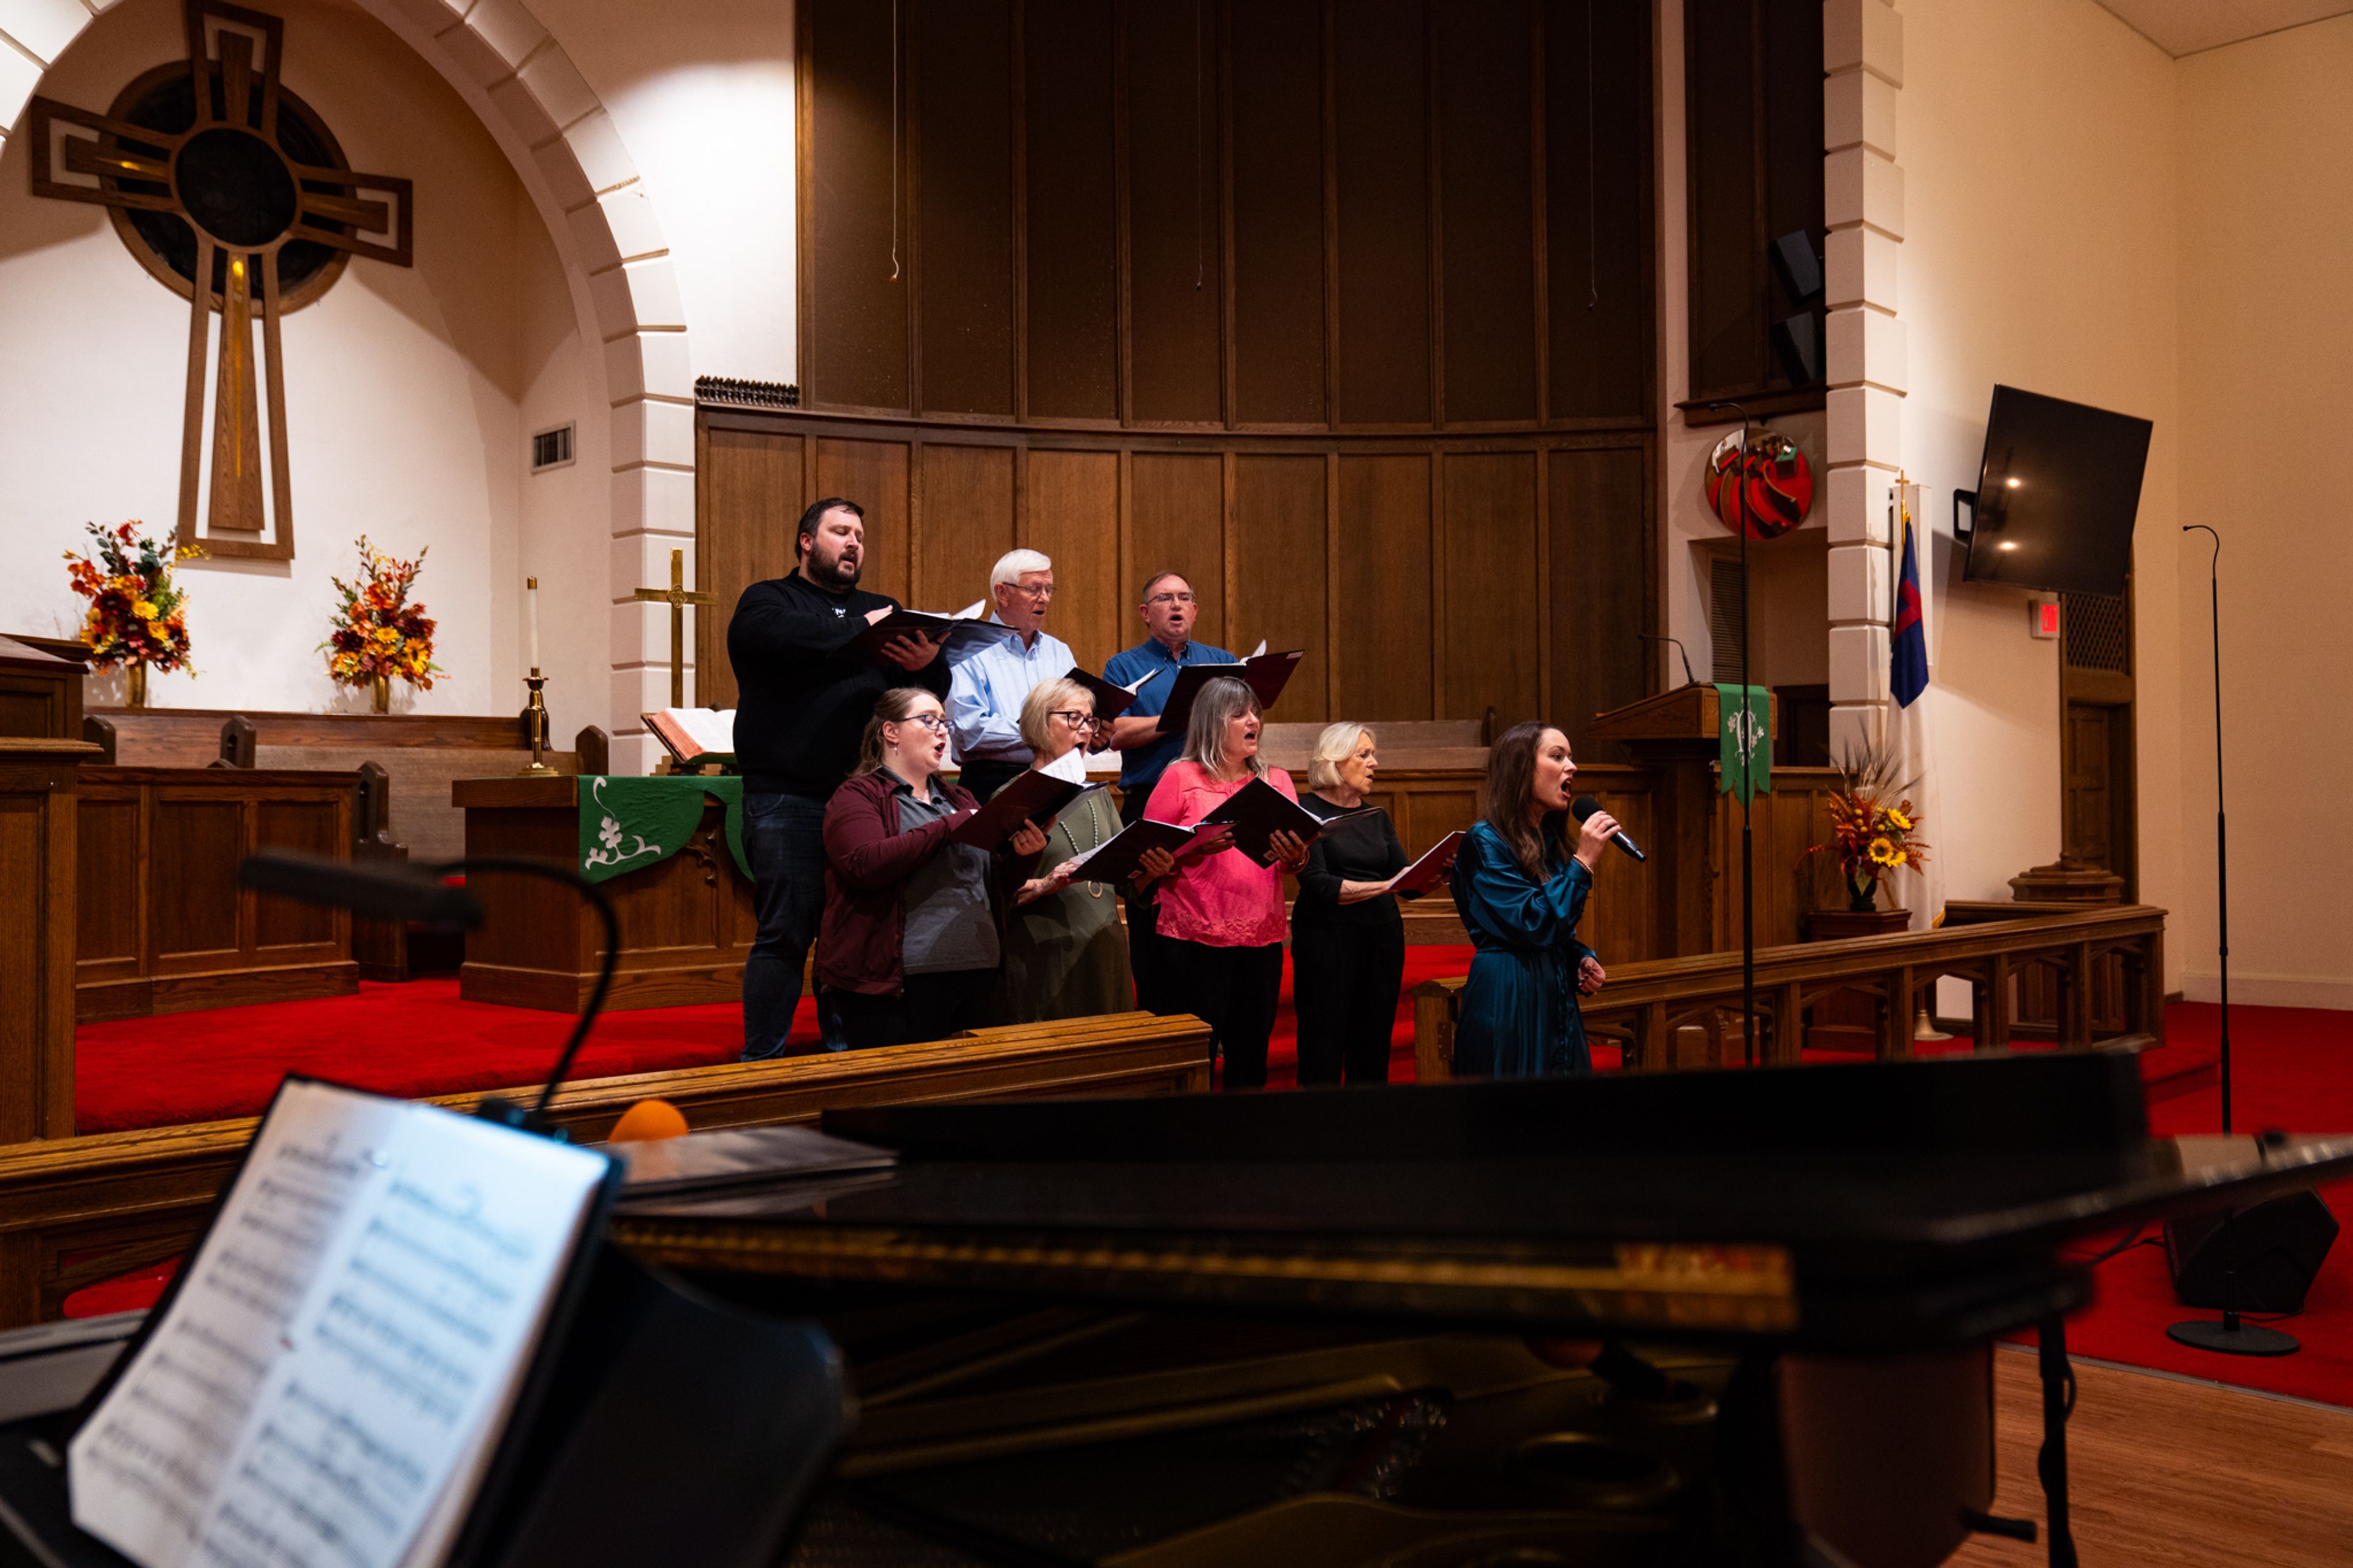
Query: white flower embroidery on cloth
(608, 834)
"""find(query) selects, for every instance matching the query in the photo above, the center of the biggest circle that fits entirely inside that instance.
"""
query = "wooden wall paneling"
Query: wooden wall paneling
(1279, 554)
(1485, 113)
(107, 943)
(1176, 524)
(1070, 178)
(856, 340)
(964, 523)
(1070, 509)
(1380, 634)
(1599, 539)
(194, 909)
(1619, 921)
(1278, 159)
(1381, 94)
(748, 498)
(1174, 282)
(1488, 540)
(315, 828)
(1599, 336)
(877, 476)
(963, 211)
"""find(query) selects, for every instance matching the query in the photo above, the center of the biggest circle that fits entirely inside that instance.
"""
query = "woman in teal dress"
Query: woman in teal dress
(1521, 890)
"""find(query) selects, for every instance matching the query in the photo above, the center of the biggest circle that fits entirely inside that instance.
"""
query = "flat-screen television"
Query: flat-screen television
(2056, 494)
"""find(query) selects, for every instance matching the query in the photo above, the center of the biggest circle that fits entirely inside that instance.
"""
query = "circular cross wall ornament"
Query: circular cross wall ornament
(1775, 489)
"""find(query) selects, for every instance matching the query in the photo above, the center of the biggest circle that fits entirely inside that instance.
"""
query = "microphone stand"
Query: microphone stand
(2230, 1337)
(1747, 749)
(404, 892)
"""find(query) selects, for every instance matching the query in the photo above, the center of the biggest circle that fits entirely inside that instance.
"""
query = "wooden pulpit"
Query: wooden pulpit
(41, 753)
(1675, 735)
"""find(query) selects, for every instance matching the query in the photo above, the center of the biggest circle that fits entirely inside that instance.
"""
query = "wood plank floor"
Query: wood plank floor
(2167, 1472)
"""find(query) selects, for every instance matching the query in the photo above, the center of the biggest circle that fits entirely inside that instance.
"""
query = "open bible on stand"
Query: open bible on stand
(695, 736)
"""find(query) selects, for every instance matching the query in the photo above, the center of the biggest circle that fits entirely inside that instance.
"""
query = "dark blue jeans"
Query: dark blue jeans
(784, 837)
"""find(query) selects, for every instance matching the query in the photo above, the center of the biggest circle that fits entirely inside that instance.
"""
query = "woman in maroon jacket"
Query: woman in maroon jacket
(914, 922)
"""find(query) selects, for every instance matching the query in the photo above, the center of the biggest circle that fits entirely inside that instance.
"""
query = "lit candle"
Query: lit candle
(531, 599)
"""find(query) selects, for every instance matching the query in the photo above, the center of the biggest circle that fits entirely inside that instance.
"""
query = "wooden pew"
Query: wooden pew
(1647, 1004)
(79, 1210)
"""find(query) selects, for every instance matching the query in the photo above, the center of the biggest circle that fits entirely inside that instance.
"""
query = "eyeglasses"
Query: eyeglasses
(935, 722)
(1074, 718)
(1042, 593)
(1170, 599)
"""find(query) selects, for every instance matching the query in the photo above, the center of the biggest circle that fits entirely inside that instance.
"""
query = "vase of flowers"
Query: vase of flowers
(377, 634)
(137, 615)
(1874, 829)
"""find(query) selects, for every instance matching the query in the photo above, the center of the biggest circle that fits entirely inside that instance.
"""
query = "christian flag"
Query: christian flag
(1907, 645)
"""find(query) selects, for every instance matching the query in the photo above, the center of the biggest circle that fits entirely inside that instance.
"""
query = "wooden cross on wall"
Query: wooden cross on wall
(268, 214)
(677, 597)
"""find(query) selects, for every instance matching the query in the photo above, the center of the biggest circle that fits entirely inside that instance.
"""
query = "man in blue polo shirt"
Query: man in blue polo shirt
(1170, 610)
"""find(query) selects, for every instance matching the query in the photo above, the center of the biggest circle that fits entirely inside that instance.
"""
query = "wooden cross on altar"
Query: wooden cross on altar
(677, 597)
(232, 192)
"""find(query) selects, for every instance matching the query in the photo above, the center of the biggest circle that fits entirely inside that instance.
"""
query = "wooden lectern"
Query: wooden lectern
(1675, 735)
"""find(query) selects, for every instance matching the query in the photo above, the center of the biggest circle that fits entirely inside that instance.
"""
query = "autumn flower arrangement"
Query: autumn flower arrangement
(137, 613)
(377, 634)
(1874, 829)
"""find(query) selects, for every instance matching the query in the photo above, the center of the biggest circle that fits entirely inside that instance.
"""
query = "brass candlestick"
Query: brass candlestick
(535, 716)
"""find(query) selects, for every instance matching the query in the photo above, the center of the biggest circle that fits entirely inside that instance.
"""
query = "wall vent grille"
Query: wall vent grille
(1723, 617)
(2094, 631)
(550, 449)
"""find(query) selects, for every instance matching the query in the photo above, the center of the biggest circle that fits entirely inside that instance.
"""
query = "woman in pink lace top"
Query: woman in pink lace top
(1220, 911)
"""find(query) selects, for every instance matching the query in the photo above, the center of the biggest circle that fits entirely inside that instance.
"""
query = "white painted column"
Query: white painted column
(1863, 61)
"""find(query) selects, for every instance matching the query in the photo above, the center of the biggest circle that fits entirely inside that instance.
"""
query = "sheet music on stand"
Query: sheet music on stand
(330, 1376)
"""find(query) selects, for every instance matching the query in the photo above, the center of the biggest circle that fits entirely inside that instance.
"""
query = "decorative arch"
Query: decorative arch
(569, 155)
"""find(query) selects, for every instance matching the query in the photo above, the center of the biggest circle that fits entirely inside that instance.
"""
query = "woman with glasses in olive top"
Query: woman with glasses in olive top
(1065, 955)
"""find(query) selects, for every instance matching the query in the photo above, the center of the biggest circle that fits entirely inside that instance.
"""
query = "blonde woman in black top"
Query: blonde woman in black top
(1347, 939)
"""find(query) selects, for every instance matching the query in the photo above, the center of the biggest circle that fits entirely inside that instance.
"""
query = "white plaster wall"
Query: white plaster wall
(2266, 223)
(2038, 146)
(702, 92)
(406, 386)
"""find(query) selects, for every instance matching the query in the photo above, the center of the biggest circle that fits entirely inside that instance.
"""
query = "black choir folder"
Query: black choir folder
(1258, 811)
(1032, 796)
(402, 1343)
(1265, 674)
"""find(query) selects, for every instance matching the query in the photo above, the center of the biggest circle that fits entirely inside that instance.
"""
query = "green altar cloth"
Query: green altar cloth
(629, 824)
(1750, 732)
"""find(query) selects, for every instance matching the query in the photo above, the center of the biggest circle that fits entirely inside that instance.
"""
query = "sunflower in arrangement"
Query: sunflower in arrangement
(137, 615)
(1873, 826)
(377, 634)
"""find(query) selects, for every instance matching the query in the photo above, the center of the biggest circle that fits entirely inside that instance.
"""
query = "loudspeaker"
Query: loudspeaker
(2277, 1247)
(1798, 345)
(1800, 269)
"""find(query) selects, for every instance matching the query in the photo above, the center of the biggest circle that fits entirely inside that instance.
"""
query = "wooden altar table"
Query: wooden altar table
(686, 923)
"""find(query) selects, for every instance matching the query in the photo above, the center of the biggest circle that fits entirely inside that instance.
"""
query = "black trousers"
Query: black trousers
(1235, 991)
(1344, 983)
(930, 1007)
(1147, 957)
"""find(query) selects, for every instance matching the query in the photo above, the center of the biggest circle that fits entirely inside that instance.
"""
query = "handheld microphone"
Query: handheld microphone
(1584, 806)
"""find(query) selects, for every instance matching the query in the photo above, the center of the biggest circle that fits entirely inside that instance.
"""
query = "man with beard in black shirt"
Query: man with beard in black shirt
(803, 699)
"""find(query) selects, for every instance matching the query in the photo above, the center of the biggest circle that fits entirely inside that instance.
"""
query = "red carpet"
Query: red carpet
(2292, 1067)
(2293, 1071)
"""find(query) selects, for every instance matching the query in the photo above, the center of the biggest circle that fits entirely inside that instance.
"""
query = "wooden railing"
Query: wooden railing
(1645, 1006)
(74, 1211)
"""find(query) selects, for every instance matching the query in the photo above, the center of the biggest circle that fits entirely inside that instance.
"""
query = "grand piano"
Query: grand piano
(1737, 1317)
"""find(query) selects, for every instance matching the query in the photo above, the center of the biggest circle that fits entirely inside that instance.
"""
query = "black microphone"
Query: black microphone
(1584, 806)
(1689, 678)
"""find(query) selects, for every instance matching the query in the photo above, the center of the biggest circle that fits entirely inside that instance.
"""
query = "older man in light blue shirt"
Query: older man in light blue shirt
(990, 683)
